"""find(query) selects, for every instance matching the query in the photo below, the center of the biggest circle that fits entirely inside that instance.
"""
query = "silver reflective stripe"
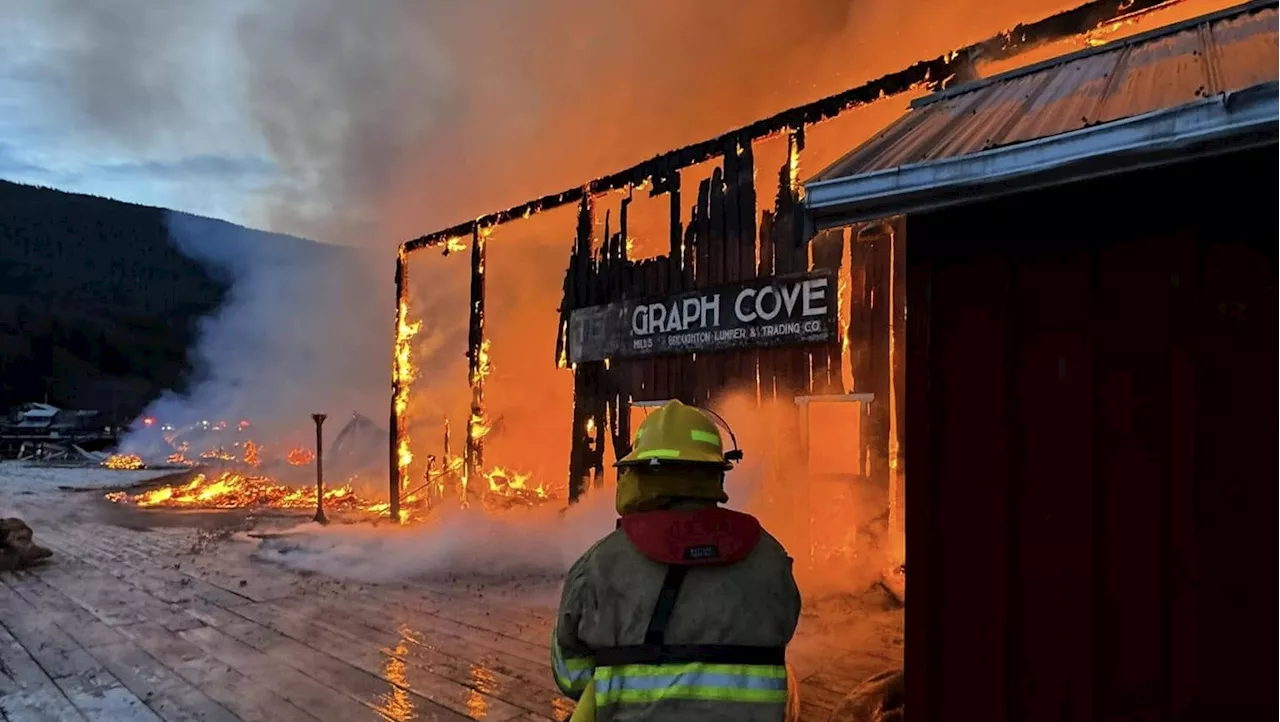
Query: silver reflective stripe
(572, 674)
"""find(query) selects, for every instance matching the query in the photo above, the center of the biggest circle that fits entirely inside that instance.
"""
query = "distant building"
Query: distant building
(34, 416)
(39, 419)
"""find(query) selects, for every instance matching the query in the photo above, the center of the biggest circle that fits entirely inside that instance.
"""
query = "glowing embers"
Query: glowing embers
(252, 454)
(300, 457)
(235, 490)
(123, 462)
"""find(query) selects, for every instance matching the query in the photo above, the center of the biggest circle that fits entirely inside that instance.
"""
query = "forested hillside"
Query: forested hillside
(98, 308)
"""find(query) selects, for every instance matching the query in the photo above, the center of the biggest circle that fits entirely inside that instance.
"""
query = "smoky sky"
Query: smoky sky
(387, 118)
(367, 123)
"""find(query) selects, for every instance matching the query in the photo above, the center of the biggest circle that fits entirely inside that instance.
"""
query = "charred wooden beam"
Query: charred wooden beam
(585, 411)
(477, 364)
(676, 237)
(930, 73)
(401, 373)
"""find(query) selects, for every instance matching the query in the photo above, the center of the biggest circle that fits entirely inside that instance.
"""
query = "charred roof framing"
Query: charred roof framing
(725, 223)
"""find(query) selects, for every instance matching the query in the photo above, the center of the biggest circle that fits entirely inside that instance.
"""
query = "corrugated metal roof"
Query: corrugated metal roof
(1169, 67)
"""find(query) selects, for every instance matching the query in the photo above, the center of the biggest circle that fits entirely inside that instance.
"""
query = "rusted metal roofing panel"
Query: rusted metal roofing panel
(1245, 49)
(1158, 74)
(1218, 53)
(1068, 98)
(981, 124)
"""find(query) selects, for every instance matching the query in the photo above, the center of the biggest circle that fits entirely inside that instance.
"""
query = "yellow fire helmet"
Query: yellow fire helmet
(679, 434)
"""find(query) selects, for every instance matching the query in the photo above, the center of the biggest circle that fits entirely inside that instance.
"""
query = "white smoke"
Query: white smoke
(472, 544)
(458, 543)
(302, 330)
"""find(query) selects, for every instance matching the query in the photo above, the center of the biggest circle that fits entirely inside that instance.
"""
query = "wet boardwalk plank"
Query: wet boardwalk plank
(170, 625)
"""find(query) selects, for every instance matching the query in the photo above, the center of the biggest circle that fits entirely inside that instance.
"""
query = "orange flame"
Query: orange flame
(252, 455)
(403, 374)
(123, 462)
(299, 456)
(233, 490)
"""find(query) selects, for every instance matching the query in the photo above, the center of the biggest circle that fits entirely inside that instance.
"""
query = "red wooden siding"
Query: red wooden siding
(1091, 451)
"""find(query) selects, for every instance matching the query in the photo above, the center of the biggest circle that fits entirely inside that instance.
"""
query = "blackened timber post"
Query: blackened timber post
(398, 387)
(320, 517)
(577, 295)
(477, 362)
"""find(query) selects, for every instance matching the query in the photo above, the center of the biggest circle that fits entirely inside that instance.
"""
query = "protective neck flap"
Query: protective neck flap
(692, 537)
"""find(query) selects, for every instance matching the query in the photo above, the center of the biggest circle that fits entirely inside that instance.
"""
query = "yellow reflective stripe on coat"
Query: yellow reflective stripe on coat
(647, 683)
(572, 673)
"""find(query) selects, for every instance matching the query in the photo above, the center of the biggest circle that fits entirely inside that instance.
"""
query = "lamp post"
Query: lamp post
(320, 517)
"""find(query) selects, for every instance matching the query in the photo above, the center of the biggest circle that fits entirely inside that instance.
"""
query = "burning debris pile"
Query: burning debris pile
(124, 462)
(502, 490)
(240, 473)
(235, 490)
(234, 472)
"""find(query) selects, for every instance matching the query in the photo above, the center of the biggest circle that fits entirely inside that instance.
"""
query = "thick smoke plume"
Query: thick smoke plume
(387, 118)
(268, 355)
(408, 116)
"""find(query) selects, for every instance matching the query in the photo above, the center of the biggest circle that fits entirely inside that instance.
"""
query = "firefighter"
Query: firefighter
(684, 611)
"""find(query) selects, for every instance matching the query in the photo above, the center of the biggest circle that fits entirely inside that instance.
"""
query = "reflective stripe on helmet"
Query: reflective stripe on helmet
(648, 683)
(705, 437)
(659, 454)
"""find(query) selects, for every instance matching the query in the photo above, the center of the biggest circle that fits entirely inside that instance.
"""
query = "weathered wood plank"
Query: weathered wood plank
(162, 575)
(98, 695)
(57, 654)
(492, 636)
(458, 659)
(102, 595)
(322, 701)
(505, 654)
(76, 621)
(86, 683)
(247, 698)
(296, 641)
(393, 699)
(26, 692)
(167, 694)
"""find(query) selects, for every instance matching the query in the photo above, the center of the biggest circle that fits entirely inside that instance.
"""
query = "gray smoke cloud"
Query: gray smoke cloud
(269, 355)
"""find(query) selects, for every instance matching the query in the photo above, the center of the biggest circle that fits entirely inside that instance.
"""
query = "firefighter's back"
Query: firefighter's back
(748, 604)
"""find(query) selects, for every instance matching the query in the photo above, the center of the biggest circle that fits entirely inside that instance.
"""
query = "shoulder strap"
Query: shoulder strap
(657, 631)
(655, 650)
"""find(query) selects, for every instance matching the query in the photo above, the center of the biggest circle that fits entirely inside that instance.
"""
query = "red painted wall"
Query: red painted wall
(1091, 450)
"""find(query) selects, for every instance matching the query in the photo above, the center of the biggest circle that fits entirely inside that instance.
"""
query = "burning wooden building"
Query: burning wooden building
(1048, 294)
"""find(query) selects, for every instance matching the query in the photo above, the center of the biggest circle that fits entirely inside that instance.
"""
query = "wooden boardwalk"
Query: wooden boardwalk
(154, 625)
